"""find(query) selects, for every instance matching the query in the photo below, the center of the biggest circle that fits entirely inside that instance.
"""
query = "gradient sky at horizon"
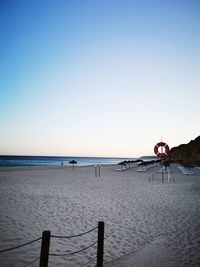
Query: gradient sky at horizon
(98, 78)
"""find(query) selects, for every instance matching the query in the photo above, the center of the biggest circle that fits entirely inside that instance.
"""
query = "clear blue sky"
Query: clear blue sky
(98, 77)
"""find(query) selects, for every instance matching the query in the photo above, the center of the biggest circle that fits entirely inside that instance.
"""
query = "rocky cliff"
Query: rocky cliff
(187, 154)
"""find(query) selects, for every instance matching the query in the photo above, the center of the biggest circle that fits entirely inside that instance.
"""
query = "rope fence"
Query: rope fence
(29, 263)
(72, 253)
(72, 236)
(20, 246)
(88, 262)
(45, 245)
(23, 245)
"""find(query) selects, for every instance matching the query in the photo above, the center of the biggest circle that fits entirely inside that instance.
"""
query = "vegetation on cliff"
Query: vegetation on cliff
(186, 154)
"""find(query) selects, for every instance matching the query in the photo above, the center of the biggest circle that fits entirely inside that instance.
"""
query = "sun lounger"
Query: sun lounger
(185, 171)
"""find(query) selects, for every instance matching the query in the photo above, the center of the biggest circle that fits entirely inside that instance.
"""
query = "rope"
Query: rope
(58, 236)
(88, 262)
(19, 246)
(72, 253)
(31, 262)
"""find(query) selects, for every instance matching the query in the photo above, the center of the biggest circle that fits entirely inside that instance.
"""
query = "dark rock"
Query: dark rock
(186, 154)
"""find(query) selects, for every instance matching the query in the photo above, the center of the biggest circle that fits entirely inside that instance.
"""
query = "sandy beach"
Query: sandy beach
(146, 223)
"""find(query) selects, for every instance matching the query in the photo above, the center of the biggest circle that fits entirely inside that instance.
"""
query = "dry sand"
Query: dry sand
(146, 224)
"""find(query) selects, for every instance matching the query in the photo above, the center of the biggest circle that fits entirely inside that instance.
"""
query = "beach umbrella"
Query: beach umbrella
(126, 162)
(73, 162)
(131, 162)
(122, 164)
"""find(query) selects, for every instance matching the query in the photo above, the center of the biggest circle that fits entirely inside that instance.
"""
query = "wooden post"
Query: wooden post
(99, 171)
(95, 170)
(162, 171)
(44, 254)
(100, 244)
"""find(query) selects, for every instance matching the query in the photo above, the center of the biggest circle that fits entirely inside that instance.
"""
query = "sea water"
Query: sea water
(55, 161)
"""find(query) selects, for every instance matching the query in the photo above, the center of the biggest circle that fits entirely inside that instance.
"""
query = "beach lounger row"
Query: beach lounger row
(144, 168)
(121, 169)
(164, 170)
(127, 167)
(185, 171)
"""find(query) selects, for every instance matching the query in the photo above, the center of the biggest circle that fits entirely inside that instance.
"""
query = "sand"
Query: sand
(146, 223)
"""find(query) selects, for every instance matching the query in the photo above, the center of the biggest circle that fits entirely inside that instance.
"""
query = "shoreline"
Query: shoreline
(52, 167)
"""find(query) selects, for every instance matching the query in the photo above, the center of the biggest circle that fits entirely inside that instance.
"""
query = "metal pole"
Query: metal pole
(100, 244)
(44, 254)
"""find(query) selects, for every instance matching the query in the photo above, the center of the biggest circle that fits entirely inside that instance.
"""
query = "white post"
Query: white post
(169, 176)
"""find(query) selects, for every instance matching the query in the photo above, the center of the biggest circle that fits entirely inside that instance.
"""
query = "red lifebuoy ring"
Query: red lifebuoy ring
(161, 144)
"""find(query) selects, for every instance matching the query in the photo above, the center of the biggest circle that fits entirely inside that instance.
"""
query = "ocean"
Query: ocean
(56, 161)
